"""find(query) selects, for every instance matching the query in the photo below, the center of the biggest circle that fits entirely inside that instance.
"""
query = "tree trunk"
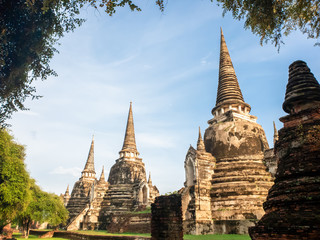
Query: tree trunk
(26, 228)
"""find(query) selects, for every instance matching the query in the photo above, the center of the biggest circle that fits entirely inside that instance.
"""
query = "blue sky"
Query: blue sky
(167, 65)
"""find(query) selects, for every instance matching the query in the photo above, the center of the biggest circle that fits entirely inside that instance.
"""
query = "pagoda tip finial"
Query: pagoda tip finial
(89, 167)
(229, 91)
(275, 134)
(149, 179)
(129, 143)
(102, 178)
(200, 143)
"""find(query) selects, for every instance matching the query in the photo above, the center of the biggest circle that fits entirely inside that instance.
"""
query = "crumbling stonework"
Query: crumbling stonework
(80, 196)
(240, 182)
(129, 189)
(238, 164)
(270, 161)
(66, 197)
(93, 202)
(89, 203)
(166, 223)
(196, 201)
(293, 203)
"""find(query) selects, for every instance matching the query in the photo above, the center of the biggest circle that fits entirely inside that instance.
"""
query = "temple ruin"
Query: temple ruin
(228, 174)
(293, 204)
(226, 178)
(196, 200)
(93, 201)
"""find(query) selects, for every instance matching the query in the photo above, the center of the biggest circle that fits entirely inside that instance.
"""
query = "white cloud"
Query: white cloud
(75, 171)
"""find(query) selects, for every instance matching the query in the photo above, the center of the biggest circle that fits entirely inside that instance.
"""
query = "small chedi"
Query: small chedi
(93, 202)
(293, 204)
(196, 201)
(226, 177)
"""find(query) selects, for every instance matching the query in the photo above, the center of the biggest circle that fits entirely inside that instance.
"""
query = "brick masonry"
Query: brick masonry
(166, 222)
(293, 203)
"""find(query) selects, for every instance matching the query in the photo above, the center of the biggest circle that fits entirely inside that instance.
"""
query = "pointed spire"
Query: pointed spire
(228, 88)
(88, 171)
(102, 179)
(275, 134)
(67, 191)
(129, 142)
(200, 143)
(149, 179)
(89, 167)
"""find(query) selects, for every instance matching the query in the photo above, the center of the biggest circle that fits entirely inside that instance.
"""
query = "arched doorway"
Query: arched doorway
(190, 174)
(145, 194)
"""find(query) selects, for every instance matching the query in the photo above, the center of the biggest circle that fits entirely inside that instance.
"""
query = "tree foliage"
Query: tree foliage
(14, 179)
(43, 207)
(29, 30)
(20, 197)
(273, 19)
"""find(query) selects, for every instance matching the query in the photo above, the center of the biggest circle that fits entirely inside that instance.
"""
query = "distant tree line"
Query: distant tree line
(21, 199)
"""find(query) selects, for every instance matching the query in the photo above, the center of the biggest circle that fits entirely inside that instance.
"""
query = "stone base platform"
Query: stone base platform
(232, 226)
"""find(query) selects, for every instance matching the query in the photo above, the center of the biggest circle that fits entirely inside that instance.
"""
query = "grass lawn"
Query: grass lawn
(33, 237)
(104, 232)
(186, 237)
(217, 237)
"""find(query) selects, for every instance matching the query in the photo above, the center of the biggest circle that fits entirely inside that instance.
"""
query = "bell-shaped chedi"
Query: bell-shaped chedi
(240, 182)
(81, 189)
(129, 168)
(129, 143)
(128, 188)
(293, 204)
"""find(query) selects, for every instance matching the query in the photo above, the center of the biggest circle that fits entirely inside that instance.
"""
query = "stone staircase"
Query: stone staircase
(74, 223)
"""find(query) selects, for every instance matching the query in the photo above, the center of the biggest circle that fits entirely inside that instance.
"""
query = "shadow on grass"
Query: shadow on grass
(18, 236)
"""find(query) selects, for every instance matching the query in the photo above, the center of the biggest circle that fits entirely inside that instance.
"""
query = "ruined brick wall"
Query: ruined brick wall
(293, 204)
(166, 222)
(138, 223)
